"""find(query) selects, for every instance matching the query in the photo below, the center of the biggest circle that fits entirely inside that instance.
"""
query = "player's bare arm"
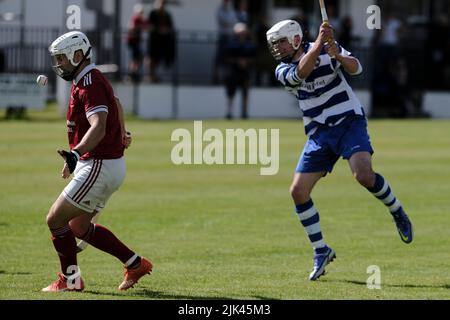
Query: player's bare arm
(308, 62)
(126, 135)
(351, 65)
(93, 136)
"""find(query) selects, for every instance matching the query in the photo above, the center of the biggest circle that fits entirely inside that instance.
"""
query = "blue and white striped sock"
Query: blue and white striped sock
(382, 191)
(309, 217)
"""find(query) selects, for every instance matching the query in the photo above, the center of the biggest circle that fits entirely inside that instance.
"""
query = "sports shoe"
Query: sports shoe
(404, 226)
(61, 285)
(132, 276)
(320, 261)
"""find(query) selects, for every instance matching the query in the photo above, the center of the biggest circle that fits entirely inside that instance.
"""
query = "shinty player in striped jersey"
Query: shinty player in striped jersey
(334, 122)
(97, 139)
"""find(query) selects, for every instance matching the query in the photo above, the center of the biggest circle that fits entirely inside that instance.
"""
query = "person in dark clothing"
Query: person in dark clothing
(240, 55)
(2, 61)
(345, 36)
(136, 27)
(264, 64)
(161, 42)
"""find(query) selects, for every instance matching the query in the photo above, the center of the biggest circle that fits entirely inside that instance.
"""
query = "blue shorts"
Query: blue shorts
(327, 144)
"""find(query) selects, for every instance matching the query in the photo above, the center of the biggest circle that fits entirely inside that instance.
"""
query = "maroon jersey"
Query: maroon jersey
(92, 93)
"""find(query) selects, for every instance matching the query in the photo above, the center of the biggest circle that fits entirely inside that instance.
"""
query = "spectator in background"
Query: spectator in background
(264, 64)
(136, 26)
(303, 21)
(242, 12)
(386, 78)
(9, 110)
(345, 36)
(388, 39)
(439, 51)
(334, 19)
(2, 61)
(402, 91)
(226, 19)
(161, 41)
(390, 34)
(240, 55)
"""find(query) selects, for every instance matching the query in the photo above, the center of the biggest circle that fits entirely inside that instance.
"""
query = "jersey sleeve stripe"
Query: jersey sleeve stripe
(97, 109)
(287, 75)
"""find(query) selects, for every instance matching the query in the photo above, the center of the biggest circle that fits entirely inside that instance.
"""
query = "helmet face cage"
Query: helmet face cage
(274, 47)
(68, 75)
(282, 55)
(57, 67)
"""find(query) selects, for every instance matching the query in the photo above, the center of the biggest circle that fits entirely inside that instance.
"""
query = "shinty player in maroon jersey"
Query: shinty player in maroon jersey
(97, 139)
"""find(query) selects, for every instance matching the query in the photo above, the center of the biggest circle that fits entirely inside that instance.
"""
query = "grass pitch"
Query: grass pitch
(225, 231)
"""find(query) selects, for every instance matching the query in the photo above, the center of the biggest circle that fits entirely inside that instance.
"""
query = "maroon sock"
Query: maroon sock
(66, 247)
(103, 239)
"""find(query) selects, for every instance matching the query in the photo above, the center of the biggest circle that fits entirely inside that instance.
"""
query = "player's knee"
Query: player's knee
(51, 219)
(299, 194)
(293, 190)
(365, 177)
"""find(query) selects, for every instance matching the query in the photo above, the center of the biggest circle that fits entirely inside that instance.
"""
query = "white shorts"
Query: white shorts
(94, 182)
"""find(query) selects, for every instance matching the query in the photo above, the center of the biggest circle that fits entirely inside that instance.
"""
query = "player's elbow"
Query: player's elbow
(356, 70)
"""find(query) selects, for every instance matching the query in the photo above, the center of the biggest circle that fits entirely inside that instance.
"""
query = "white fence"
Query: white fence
(209, 102)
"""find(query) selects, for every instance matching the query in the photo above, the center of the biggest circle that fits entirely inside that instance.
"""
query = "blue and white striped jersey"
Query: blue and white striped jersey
(324, 97)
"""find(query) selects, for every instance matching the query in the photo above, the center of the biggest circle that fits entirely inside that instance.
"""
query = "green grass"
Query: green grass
(225, 231)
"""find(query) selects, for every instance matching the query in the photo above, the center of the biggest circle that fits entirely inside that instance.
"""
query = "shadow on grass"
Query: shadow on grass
(15, 273)
(150, 294)
(406, 285)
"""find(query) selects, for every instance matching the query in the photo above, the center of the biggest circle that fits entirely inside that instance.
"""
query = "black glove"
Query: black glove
(71, 158)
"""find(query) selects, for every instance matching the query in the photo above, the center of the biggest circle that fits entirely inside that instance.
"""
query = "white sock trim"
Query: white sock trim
(313, 229)
(318, 244)
(307, 214)
(131, 260)
(389, 198)
(397, 204)
(383, 190)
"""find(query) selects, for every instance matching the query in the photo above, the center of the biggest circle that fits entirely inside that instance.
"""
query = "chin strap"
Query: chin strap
(291, 58)
(71, 76)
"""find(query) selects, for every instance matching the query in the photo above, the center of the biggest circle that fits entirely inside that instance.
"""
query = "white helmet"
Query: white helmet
(286, 29)
(67, 45)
